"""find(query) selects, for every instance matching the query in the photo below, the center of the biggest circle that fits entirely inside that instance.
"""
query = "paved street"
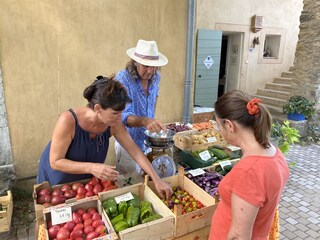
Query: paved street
(300, 204)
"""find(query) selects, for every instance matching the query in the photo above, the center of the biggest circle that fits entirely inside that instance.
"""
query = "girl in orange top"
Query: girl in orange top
(251, 191)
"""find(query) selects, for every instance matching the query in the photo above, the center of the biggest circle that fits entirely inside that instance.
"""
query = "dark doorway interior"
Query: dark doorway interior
(223, 62)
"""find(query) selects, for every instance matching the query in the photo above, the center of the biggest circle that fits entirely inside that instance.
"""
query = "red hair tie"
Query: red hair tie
(252, 106)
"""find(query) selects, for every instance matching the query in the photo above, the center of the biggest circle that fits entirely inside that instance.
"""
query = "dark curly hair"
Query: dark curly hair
(107, 92)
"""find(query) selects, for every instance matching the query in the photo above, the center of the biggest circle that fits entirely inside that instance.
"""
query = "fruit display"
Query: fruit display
(184, 199)
(85, 224)
(126, 214)
(209, 181)
(78, 190)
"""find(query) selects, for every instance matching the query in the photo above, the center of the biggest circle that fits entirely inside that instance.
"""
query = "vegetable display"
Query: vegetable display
(184, 199)
(78, 190)
(178, 127)
(85, 224)
(209, 181)
(129, 213)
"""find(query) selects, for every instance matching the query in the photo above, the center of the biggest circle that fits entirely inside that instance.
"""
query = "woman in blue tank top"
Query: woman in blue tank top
(80, 140)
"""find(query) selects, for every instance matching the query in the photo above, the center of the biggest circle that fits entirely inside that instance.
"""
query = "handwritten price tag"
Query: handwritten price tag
(212, 139)
(225, 163)
(124, 197)
(205, 155)
(196, 172)
(61, 215)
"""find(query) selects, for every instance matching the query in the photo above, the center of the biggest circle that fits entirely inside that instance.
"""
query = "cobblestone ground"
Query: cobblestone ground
(300, 203)
(299, 206)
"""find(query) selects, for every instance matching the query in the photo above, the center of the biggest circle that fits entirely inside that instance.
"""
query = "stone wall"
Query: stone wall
(306, 73)
(7, 173)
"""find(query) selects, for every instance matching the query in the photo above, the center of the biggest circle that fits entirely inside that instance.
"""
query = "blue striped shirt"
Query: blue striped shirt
(142, 105)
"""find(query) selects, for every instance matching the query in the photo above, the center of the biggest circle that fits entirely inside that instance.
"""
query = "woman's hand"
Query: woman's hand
(154, 125)
(164, 189)
(104, 172)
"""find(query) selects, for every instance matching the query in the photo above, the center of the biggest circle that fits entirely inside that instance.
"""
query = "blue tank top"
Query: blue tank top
(81, 149)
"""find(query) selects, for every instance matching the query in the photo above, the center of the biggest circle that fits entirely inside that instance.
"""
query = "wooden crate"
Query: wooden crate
(183, 140)
(159, 229)
(202, 117)
(193, 221)
(6, 214)
(38, 208)
(201, 234)
(84, 203)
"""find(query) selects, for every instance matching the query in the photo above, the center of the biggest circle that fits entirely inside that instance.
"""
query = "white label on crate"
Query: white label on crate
(124, 197)
(196, 172)
(212, 139)
(225, 163)
(205, 155)
(61, 215)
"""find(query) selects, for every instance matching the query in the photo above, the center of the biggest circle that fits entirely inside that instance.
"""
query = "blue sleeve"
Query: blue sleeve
(124, 78)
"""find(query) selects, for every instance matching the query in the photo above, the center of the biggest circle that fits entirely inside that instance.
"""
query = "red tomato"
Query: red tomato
(97, 223)
(63, 234)
(97, 188)
(86, 216)
(91, 210)
(69, 225)
(76, 218)
(76, 233)
(92, 235)
(53, 230)
(101, 229)
(88, 187)
(87, 222)
(88, 229)
(65, 188)
(106, 183)
(76, 185)
(96, 216)
(81, 211)
(79, 225)
(94, 181)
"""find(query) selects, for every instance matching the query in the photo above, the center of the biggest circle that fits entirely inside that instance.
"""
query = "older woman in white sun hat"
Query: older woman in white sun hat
(141, 78)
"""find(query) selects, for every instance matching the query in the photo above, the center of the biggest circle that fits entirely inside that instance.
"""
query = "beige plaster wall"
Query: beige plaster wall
(232, 15)
(51, 50)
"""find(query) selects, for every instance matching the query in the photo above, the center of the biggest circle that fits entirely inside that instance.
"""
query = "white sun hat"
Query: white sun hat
(146, 53)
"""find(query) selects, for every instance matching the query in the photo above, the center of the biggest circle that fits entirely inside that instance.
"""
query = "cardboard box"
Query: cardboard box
(201, 234)
(84, 203)
(158, 229)
(193, 221)
(6, 212)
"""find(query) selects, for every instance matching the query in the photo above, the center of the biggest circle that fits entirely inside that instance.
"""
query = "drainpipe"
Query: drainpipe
(188, 80)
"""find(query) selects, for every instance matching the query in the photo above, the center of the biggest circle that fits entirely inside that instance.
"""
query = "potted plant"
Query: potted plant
(282, 135)
(299, 108)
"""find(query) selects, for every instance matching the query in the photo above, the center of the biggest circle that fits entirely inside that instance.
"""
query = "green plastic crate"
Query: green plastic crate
(194, 163)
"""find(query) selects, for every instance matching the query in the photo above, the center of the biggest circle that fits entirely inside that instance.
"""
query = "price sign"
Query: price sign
(196, 172)
(212, 139)
(124, 197)
(225, 163)
(205, 155)
(61, 215)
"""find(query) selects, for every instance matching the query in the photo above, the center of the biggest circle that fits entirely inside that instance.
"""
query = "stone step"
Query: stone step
(278, 87)
(271, 101)
(274, 110)
(282, 80)
(286, 74)
(273, 93)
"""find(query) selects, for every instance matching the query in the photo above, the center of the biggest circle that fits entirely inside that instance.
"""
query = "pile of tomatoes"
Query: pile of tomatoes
(84, 225)
(184, 199)
(78, 190)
